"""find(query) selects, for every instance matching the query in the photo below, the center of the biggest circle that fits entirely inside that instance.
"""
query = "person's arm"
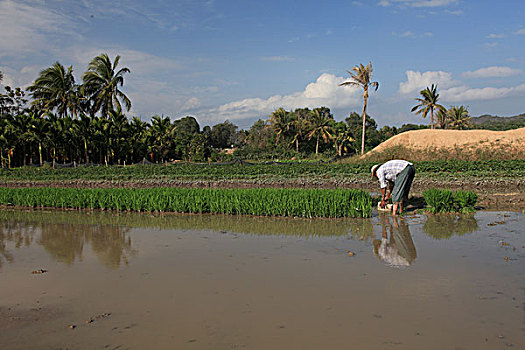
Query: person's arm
(383, 197)
(389, 192)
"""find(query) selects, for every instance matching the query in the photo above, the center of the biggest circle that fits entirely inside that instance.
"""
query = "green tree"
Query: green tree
(342, 138)
(282, 123)
(101, 84)
(159, 137)
(300, 125)
(428, 102)
(459, 118)
(361, 77)
(321, 123)
(223, 135)
(55, 89)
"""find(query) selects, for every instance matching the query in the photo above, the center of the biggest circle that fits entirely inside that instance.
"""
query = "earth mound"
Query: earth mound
(453, 144)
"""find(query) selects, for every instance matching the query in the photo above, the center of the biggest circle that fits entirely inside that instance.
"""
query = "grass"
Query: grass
(446, 201)
(263, 202)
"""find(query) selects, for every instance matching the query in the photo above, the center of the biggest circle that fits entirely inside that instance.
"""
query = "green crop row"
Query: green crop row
(264, 202)
(256, 171)
(446, 201)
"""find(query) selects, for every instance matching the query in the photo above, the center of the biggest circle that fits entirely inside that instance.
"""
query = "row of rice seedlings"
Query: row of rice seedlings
(446, 201)
(263, 202)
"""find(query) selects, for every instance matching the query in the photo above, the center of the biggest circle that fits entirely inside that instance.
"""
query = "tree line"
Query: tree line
(58, 120)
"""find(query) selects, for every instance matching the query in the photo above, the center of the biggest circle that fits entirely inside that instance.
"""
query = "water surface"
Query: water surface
(224, 282)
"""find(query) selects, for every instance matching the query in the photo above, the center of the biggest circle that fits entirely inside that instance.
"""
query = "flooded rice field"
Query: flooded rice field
(83, 280)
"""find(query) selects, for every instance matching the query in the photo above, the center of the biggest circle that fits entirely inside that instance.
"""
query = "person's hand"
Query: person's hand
(382, 204)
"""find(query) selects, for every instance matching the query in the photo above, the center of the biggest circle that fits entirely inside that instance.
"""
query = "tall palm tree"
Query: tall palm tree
(282, 123)
(101, 84)
(159, 133)
(55, 89)
(428, 102)
(361, 77)
(459, 117)
(321, 127)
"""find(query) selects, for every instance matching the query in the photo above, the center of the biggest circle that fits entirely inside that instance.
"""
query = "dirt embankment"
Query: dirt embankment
(450, 144)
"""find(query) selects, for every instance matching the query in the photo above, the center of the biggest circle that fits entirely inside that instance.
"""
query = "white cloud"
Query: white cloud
(490, 72)
(519, 32)
(325, 91)
(409, 34)
(277, 59)
(140, 63)
(417, 81)
(495, 36)
(418, 3)
(463, 93)
(27, 29)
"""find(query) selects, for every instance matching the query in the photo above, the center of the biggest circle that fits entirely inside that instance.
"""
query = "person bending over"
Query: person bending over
(397, 175)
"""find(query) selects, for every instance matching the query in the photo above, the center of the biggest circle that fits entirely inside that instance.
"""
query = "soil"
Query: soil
(466, 141)
(494, 194)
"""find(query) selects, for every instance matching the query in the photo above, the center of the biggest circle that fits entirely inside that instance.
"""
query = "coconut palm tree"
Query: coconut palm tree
(282, 123)
(459, 117)
(321, 126)
(300, 125)
(361, 77)
(428, 102)
(55, 89)
(101, 84)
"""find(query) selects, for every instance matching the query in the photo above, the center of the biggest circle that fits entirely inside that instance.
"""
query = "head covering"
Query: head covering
(374, 168)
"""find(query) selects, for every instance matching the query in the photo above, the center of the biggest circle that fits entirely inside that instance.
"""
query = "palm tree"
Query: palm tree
(300, 125)
(101, 84)
(361, 77)
(459, 117)
(55, 89)
(321, 126)
(442, 118)
(282, 123)
(159, 133)
(342, 137)
(427, 103)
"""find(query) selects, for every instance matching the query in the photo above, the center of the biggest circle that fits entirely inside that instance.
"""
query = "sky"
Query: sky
(239, 60)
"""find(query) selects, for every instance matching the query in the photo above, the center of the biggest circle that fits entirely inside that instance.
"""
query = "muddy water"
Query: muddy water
(216, 282)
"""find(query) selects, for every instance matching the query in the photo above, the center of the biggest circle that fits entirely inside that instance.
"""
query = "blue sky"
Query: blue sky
(240, 60)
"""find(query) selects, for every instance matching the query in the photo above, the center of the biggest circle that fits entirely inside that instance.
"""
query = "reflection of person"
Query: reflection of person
(400, 250)
(398, 175)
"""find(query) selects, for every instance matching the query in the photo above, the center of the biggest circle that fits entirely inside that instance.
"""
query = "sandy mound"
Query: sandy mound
(464, 140)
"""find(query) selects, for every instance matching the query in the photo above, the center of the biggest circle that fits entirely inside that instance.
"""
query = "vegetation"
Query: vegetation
(362, 76)
(263, 202)
(428, 103)
(65, 123)
(446, 201)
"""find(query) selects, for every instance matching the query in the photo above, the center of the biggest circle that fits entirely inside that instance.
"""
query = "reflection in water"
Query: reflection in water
(441, 226)
(65, 242)
(400, 250)
(358, 228)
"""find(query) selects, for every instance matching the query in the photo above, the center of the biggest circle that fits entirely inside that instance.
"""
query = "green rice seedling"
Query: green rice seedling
(445, 201)
(465, 201)
(264, 202)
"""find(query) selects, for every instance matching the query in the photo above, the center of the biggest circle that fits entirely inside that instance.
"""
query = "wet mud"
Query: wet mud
(139, 281)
